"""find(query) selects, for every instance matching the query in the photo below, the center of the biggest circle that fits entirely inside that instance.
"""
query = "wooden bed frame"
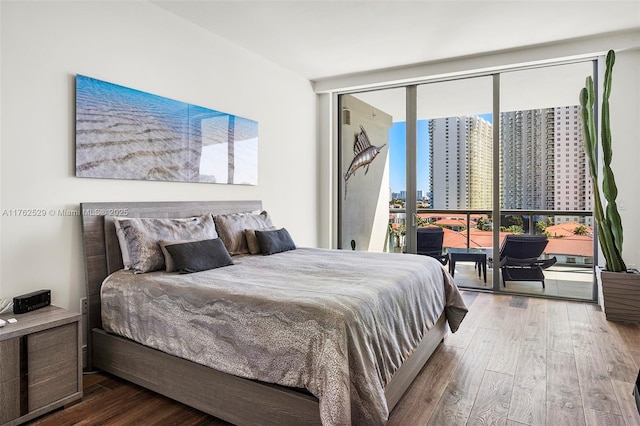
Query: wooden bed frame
(231, 398)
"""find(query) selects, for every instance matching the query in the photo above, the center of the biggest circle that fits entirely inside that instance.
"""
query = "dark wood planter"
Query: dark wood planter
(621, 296)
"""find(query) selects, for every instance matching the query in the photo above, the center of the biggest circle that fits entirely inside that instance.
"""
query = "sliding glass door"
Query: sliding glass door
(459, 130)
(545, 187)
(478, 158)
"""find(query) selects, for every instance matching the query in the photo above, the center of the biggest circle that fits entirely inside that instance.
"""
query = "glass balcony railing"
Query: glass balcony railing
(570, 232)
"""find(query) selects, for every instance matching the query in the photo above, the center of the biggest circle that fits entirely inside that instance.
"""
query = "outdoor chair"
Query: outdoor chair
(430, 243)
(519, 258)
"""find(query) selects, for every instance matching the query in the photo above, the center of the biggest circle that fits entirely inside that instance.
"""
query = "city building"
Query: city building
(461, 163)
(572, 181)
(542, 162)
(526, 160)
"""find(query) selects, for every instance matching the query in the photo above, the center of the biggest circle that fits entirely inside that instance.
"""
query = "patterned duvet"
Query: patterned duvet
(337, 323)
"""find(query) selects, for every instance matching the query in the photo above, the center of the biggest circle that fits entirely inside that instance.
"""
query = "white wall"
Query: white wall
(138, 45)
(365, 203)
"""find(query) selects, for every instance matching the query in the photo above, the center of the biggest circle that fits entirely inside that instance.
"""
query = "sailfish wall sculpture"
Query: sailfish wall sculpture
(363, 154)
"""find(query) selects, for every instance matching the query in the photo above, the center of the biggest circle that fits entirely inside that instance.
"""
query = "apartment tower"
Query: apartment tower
(461, 163)
(542, 162)
(572, 180)
(526, 159)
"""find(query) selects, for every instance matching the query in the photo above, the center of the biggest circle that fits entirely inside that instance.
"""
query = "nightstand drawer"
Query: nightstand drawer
(52, 359)
(9, 379)
(9, 400)
(52, 383)
(51, 346)
(9, 359)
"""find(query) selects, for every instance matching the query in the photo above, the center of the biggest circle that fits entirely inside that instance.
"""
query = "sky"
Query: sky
(397, 155)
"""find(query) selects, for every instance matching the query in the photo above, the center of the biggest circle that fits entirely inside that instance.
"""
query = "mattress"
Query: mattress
(337, 323)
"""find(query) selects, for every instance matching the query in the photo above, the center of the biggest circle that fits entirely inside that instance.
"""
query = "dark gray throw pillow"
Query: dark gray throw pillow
(277, 241)
(198, 256)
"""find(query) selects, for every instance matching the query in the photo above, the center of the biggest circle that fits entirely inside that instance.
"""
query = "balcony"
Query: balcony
(562, 281)
(571, 241)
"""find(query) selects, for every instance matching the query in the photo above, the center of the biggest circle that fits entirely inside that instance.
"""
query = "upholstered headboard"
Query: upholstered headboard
(102, 254)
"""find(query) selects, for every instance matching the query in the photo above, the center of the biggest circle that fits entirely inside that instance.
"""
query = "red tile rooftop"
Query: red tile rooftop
(566, 229)
(575, 245)
(453, 222)
(561, 242)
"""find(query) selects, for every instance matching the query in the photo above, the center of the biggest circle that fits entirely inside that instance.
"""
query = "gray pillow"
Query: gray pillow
(277, 241)
(168, 260)
(142, 237)
(196, 256)
(231, 228)
(252, 241)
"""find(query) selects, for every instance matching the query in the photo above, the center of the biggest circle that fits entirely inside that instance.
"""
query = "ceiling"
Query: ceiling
(320, 39)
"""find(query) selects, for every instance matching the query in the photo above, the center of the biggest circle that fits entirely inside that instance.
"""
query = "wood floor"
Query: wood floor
(515, 361)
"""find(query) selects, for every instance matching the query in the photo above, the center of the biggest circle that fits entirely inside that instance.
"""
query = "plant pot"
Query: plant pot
(620, 295)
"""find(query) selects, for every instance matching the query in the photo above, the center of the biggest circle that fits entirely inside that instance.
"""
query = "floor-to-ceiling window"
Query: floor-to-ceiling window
(544, 179)
(460, 164)
(480, 157)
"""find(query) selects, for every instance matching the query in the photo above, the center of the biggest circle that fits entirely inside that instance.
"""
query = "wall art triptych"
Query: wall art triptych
(123, 133)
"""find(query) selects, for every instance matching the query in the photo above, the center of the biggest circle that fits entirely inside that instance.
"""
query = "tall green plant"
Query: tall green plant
(607, 219)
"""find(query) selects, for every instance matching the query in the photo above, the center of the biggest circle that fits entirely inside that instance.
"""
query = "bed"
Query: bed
(322, 348)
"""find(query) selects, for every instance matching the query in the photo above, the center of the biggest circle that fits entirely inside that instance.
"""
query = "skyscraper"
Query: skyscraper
(542, 162)
(572, 180)
(526, 159)
(461, 163)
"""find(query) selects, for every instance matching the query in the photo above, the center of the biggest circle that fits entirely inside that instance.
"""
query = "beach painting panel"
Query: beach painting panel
(123, 133)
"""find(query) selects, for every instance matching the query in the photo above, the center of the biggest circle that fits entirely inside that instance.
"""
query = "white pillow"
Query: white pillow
(142, 238)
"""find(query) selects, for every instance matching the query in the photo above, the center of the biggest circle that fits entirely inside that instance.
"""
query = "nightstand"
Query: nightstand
(40, 363)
